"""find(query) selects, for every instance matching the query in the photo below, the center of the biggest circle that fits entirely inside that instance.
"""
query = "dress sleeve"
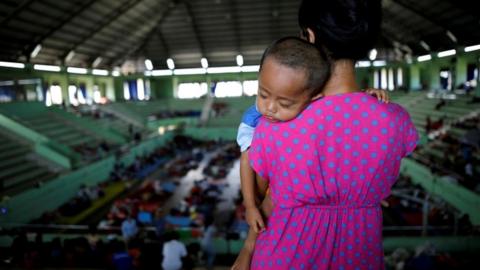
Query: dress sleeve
(411, 137)
(257, 154)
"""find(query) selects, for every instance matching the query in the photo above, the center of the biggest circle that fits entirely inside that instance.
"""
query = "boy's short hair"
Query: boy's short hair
(299, 54)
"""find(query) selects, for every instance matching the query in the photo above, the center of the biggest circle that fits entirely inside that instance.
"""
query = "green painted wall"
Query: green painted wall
(34, 202)
(414, 73)
(161, 88)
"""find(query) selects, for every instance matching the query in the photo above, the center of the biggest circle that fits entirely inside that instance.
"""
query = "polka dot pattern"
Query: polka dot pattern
(328, 169)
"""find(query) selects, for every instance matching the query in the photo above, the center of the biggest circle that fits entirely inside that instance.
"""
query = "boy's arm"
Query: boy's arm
(245, 256)
(249, 192)
(247, 181)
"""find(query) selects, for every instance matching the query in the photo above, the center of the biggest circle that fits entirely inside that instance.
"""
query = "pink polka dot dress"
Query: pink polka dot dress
(328, 169)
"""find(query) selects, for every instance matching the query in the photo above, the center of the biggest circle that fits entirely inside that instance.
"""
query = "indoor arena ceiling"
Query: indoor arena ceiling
(78, 32)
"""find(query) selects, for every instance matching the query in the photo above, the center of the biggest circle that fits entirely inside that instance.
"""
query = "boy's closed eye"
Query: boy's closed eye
(286, 105)
(262, 94)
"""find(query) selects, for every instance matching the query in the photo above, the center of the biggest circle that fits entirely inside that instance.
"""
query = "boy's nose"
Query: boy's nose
(271, 107)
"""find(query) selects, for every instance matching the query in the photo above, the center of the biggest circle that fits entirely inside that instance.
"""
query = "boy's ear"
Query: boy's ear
(311, 36)
(317, 96)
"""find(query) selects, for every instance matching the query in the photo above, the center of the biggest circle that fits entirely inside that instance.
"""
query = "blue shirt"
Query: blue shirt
(247, 127)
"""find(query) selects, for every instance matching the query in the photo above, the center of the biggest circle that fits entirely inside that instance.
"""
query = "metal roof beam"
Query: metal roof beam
(412, 7)
(59, 26)
(141, 45)
(111, 17)
(15, 12)
(196, 31)
(234, 20)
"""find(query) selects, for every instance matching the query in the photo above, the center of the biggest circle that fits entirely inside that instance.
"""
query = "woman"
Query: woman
(335, 220)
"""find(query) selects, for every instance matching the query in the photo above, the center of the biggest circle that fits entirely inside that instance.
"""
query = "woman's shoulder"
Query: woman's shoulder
(355, 102)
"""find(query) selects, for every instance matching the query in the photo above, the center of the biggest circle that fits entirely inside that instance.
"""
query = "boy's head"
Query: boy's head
(292, 74)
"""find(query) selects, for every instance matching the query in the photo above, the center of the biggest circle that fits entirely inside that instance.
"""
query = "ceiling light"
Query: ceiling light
(255, 68)
(424, 58)
(216, 70)
(161, 72)
(424, 45)
(101, 72)
(239, 60)
(76, 70)
(452, 36)
(446, 53)
(36, 51)
(148, 64)
(170, 63)
(12, 64)
(69, 56)
(189, 71)
(472, 48)
(97, 61)
(47, 68)
(379, 63)
(372, 55)
(363, 64)
(204, 62)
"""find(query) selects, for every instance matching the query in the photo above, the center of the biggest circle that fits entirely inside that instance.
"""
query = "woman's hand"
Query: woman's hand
(381, 95)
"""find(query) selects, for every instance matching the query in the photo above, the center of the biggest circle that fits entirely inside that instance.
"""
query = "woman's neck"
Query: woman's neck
(342, 80)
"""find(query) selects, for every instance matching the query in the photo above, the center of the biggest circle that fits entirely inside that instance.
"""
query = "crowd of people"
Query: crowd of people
(427, 257)
(168, 114)
(406, 207)
(459, 160)
(94, 151)
(82, 200)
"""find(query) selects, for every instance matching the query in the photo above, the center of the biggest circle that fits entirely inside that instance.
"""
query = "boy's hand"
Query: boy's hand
(380, 94)
(255, 219)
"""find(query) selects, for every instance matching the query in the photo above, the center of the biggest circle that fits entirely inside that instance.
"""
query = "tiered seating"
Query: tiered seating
(421, 110)
(454, 155)
(107, 120)
(229, 111)
(58, 129)
(17, 172)
(420, 107)
(143, 112)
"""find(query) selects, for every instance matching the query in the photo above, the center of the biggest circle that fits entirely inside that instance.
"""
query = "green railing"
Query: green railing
(211, 133)
(458, 196)
(43, 146)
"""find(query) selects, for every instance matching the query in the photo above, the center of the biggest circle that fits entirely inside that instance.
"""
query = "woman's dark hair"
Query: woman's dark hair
(348, 29)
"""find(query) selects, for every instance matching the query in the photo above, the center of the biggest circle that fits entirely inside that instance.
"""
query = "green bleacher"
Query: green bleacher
(141, 113)
(419, 107)
(63, 128)
(17, 171)
(114, 124)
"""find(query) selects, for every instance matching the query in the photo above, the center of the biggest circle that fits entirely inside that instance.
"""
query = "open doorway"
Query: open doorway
(445, 79)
